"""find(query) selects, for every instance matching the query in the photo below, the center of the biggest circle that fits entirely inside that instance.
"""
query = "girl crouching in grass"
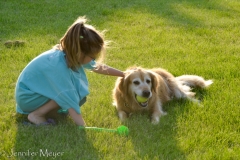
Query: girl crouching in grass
(56, 79)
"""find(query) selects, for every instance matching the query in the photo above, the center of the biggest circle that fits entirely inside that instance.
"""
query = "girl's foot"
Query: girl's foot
(36, 119)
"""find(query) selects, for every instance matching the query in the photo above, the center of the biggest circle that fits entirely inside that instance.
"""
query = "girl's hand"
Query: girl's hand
(77, 118)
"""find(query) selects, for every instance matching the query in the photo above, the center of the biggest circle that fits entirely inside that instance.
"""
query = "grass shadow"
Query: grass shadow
(62, 141)
(184, 12)
(174, 11)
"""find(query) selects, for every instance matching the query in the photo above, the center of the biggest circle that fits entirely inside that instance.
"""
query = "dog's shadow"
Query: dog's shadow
(158, 141)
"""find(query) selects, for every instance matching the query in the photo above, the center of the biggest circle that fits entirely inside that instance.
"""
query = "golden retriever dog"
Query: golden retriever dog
(154, 87)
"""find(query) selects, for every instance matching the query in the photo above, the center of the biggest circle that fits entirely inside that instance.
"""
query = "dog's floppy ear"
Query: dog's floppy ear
(122, 83)
(154, 80)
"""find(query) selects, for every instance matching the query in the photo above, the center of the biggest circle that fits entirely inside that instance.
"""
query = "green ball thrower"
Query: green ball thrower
(121, 130)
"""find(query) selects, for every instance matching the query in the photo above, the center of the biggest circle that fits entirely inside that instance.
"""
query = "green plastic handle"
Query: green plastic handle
(98, 129)
(121, 130)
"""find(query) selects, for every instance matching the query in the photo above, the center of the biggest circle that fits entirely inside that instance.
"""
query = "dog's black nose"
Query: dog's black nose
(146, 94)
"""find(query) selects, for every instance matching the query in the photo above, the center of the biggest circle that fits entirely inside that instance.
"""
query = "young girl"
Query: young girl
(56, 79)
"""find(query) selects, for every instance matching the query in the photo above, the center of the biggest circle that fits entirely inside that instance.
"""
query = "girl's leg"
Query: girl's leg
(38, 116)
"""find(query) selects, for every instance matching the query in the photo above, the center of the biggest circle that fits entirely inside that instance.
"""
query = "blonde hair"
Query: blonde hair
(82, 40)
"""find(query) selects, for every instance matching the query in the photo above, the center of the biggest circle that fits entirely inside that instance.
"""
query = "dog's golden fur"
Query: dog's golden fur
(158, 85)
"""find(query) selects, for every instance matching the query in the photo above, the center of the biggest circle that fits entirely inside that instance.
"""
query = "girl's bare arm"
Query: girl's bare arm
(107, 70)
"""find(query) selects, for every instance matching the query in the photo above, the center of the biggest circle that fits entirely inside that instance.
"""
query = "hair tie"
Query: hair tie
(81, 24)
(81, 30)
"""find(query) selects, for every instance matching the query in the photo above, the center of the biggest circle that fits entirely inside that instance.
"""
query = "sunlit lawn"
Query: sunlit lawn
(184, 37)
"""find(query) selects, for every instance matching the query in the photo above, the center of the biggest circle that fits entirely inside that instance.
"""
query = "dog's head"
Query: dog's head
(138, 82)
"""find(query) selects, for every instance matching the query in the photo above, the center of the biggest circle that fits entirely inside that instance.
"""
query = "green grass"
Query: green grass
(184, 37)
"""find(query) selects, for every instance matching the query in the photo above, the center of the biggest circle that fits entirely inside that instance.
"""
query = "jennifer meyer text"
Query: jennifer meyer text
(30, 153)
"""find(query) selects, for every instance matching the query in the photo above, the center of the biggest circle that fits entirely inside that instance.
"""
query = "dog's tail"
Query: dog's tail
(193, 81)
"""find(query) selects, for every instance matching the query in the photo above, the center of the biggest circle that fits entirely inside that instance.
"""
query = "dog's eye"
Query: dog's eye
(148, 81)
(136, 82)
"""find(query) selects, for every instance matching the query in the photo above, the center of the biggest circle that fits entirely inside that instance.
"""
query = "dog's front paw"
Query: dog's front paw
(156, 116)
(163, 113)
(155, 120)
(122, 115)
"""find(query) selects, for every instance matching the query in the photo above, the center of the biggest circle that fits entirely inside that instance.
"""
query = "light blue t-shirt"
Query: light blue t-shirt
(48, 77)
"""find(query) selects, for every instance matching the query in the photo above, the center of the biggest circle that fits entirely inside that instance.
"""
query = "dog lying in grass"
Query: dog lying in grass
(148, 89)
